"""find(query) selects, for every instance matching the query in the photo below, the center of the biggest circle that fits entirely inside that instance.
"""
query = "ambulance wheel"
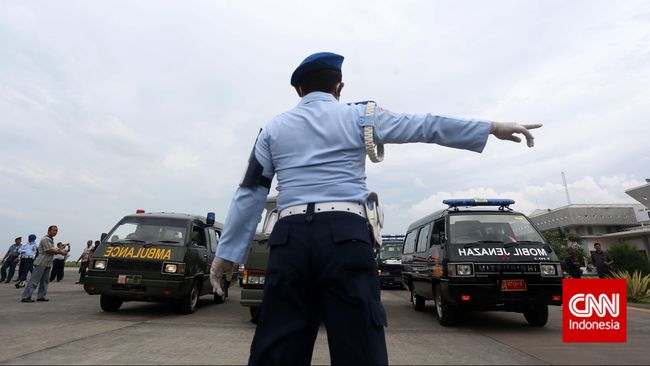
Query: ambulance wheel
(417, 300)
(255, 313)
(187, 304)
(110, 303)
(445, 311)
(537, 315)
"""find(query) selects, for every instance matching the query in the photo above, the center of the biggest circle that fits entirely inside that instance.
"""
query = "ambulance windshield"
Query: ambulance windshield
(149, 230)
(486, 228)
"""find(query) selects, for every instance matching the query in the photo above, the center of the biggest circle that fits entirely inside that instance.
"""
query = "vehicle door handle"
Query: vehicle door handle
(205, 256)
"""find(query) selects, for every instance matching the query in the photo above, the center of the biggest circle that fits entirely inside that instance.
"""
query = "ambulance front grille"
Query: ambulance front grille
(136, 266)
(507, 268)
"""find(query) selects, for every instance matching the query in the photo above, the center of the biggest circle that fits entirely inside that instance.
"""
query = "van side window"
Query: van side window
(198, 236)
(423, 239)
(214, 239)
(438, 227)
(409, 242)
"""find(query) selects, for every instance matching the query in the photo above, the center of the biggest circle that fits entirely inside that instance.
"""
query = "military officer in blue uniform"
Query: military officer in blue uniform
(321, 266)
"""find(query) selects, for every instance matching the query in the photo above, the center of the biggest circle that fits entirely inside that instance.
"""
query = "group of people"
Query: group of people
(599, 259)
(44, 260)
(19, 255)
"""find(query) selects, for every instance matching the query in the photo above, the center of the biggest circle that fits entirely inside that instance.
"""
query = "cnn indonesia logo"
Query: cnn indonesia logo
(595, 311)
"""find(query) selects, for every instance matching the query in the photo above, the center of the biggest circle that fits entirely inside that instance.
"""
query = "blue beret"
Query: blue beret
(317, 61)
(32, 237)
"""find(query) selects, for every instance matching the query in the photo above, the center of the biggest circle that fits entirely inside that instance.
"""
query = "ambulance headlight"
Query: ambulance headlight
(174, 268)
(464, 269)
(99, 264)
(548, 270)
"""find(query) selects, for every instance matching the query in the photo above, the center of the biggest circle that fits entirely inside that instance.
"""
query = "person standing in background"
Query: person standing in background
(27, 255)
(85, 256)
(572, 265)
(9, 261)
(58, 264)
(42, 266)
(601, 260)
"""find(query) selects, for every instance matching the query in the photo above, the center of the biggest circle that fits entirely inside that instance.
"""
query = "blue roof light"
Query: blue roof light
(209, 219)
(478, 202)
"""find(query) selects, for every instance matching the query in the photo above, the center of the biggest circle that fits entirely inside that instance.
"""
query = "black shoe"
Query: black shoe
(27, 300)
(43, 299)
(79, 283)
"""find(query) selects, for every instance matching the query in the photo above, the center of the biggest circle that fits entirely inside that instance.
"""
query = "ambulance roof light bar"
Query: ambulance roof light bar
(471, 202)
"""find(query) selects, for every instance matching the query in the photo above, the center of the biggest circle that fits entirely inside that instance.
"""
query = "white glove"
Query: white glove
(506, 131)
(217, 269)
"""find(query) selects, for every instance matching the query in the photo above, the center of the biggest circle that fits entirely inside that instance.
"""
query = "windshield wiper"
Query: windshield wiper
(134, 240)
(167, 241)
(529, 242)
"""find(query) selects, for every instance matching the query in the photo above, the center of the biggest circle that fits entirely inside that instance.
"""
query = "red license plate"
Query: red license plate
(513, 285)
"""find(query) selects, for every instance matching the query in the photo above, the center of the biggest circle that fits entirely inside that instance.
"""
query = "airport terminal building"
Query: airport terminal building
(603, 223)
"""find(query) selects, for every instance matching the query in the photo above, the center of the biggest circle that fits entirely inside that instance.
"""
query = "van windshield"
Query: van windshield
(390, 252)
(149, 230)
(486, 228)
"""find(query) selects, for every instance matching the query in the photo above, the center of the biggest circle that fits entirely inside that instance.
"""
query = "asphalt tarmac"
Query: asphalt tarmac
(72, 329)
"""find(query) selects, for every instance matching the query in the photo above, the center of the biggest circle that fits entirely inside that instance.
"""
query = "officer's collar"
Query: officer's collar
(317, 97)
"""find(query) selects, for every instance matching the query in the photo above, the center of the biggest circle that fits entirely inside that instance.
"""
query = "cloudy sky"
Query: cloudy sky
(111, 106)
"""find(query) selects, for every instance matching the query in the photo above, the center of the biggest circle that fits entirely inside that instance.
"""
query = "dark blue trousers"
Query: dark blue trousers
(26, 266)
(10, 264)
(321, 270)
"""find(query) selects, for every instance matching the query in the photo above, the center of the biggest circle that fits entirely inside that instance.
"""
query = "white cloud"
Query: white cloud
(111, 106)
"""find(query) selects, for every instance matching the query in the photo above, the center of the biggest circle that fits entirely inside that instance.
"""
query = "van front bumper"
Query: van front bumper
(483, 296)
(251, 296)
(146, 290)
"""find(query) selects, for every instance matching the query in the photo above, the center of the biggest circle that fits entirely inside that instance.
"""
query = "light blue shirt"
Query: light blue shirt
(318, 153)
(28, 249)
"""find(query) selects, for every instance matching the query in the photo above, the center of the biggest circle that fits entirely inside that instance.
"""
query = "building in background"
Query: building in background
(607, 224)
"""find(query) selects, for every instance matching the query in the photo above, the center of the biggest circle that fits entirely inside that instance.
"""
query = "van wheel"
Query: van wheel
(417, 300)
(187, 304)
(537, 315)
(445, 311)
(110, 303)
(255, 314)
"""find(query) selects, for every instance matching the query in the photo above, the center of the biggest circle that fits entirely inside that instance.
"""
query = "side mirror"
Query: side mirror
(103, 236)
(271, 219)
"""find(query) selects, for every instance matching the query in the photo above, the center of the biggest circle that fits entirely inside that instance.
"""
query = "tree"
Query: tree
(562, 246)
(628, 258)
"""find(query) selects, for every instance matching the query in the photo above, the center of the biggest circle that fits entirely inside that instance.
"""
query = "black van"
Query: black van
(389, 261)
(478, 254)
(163, 257)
